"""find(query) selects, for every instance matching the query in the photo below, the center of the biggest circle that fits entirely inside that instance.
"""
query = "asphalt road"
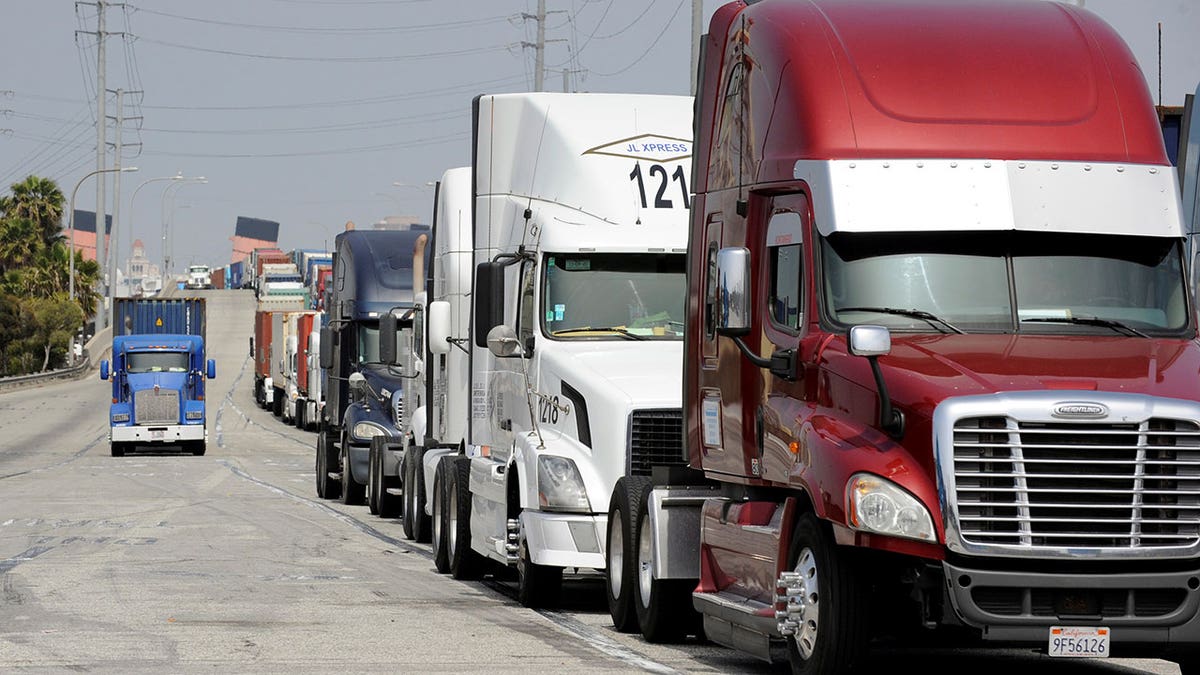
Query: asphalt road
(230, 563)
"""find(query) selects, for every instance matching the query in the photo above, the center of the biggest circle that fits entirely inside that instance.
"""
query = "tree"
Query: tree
(39, 200)
(54, 322)
(20, 241)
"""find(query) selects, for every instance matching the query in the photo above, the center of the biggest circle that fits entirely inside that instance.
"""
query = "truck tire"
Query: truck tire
(117, 449)
(353, 492)
(416, 522)
(831, 619)
(327, 488)
(277, 403)
(538, 586)
(441, 544)
(298, 418)
(465, 563)
(386, 505)
(198, 448)
(620, 560)
(664, 606)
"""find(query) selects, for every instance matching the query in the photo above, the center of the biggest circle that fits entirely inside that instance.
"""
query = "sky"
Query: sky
(310, 112)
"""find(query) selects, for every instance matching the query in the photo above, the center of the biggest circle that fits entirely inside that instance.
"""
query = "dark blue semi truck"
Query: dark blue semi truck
(359, 442)
(158, 373)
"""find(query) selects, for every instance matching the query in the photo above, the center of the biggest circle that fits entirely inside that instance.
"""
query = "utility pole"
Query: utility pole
(539, 47)
(101, 147)
(110, 262)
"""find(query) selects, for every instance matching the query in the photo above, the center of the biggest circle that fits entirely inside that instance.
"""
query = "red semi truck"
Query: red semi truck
(941, 360)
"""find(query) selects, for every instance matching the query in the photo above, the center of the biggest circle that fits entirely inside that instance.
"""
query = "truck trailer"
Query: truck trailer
(158, 373)
(940, 354)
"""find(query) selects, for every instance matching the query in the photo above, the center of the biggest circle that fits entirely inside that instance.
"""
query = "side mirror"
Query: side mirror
(387, 338)
(212, 369)
(326, 356)
(104, 369)
(489, 300)
(439, 327)
(733, 288)
(870, 340)
(503, 343)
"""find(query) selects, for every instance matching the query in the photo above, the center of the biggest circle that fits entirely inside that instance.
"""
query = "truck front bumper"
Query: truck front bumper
(1153, 608)
(565, 539)
(158, 434)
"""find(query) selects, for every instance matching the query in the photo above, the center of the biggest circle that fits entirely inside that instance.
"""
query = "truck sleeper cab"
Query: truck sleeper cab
(940, 350)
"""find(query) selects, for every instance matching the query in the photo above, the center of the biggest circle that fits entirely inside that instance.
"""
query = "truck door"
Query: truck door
(784, 276)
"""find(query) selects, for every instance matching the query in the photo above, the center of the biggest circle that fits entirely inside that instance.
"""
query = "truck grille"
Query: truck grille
(156, 407)
(1077, 484)
(655, 438)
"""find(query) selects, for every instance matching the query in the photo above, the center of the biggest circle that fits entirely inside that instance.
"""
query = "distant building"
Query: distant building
(85, 233)
(252, 233)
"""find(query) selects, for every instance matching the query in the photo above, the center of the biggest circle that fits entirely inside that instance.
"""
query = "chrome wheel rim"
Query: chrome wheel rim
(616, 555)
(645, 569)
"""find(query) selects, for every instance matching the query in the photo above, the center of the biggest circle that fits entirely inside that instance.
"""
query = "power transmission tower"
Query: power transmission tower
(101, 146)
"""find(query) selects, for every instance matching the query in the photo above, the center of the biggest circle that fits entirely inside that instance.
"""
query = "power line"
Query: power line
(649, 48)
(434, 140)
(333, 59)
(334, 31)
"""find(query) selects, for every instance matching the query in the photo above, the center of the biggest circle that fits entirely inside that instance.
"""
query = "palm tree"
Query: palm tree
(20, 241)
(39, 200)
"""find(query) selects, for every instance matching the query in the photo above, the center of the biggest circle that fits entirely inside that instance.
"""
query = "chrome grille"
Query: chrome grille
(655, 438)
(1057, 484)
(156, 407)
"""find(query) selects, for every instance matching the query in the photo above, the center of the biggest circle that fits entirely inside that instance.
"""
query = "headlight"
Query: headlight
(365, 431)
(878, 505)
(560, 486)
(193, 414)
(120, 417)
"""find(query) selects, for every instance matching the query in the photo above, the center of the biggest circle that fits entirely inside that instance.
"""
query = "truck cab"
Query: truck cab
(199, 277)
(940, 363)
(372, 277)
(158, 373)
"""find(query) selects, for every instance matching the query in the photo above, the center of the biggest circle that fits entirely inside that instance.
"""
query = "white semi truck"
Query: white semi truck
(571, 368)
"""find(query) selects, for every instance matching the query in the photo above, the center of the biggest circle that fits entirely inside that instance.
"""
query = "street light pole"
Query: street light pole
(171, 190)
(176, 177)
(99, 222)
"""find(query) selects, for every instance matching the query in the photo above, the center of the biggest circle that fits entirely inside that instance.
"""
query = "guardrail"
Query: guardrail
(91, 359)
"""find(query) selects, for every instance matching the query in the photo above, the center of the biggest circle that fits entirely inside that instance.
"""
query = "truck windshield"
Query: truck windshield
(614, 296)
(1029, 282)
(156, 362)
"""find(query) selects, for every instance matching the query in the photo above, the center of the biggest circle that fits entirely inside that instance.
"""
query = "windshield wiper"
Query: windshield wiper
(931, 319)
(604, 329)
(1089, 321)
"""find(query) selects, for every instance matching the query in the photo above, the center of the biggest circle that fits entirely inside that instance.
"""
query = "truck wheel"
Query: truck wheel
(277, 403)
(465, 563)
(619, 560)
(416, 522)
(441, 544)
(387, 505)
(374, 476)
(298, 418)
(327, 488)
(353, 492)
(825, 611)
(538, 586)
(664, 606)
(198, 448)
(118, 449)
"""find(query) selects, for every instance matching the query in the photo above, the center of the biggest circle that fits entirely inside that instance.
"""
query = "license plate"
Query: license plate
(1078, 641)
(156, 434)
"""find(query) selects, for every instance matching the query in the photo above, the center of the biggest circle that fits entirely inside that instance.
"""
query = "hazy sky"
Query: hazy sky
(307, 111)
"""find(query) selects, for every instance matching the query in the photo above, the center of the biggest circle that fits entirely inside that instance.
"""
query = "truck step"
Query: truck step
(395, 491)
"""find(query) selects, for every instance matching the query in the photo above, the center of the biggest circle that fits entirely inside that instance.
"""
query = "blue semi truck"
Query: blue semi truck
(158, 374)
